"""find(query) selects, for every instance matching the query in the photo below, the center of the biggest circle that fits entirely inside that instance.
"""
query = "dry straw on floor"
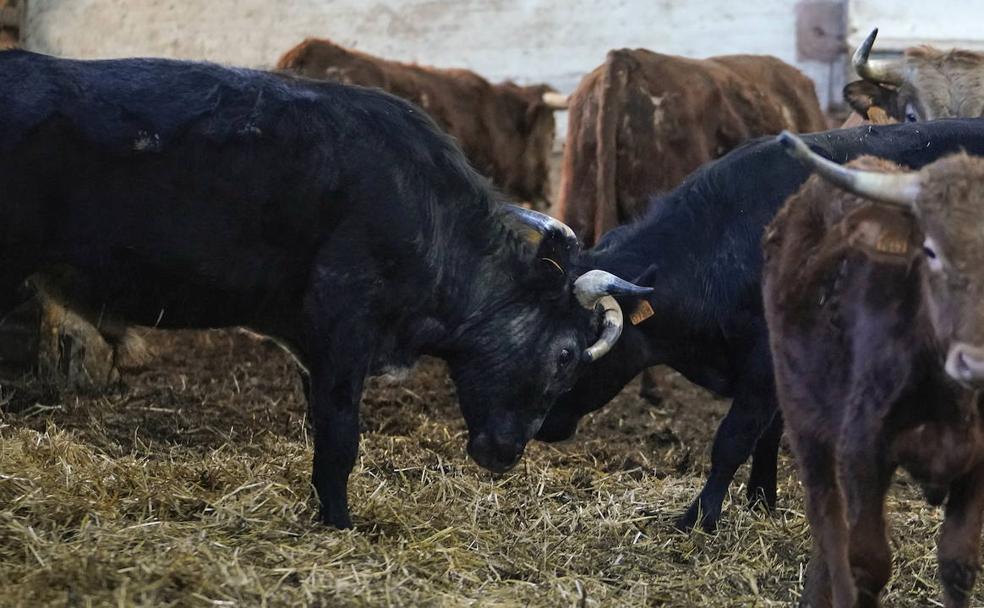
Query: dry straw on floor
(189, 487)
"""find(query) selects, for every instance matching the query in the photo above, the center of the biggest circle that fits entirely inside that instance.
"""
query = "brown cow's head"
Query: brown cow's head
(947, 200)
(925, 84)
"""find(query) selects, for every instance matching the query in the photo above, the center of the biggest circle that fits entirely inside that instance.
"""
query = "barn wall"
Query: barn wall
(942, 23)
(526, 40)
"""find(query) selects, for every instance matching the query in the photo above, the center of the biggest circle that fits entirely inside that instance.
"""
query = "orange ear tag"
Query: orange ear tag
(642, 312)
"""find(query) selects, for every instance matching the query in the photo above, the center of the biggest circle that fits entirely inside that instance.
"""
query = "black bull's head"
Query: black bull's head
(528, 334)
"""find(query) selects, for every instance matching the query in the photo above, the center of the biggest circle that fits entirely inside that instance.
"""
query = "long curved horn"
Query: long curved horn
(541, 221)
(900, 189)
(611, 329)
(556, 101)
(597, 287)
(876, 70)
(591, 286)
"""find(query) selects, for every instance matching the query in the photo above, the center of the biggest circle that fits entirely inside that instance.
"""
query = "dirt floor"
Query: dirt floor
(188, 486)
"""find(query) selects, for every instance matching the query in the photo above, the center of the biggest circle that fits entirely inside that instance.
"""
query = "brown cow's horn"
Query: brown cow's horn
(876, 70)
(555, 101)
(597, 287)
(895, 188)
(541, 221)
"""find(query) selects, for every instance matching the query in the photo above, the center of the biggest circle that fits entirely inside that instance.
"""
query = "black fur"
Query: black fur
(336, 219)
(699, 247)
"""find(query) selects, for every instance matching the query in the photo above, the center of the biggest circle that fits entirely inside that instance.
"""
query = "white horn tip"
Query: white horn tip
(556, 101)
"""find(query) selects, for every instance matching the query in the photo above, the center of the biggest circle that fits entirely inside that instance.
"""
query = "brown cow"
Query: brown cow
(924, 84)
(505, 130)
(876, 318)
(643, 121)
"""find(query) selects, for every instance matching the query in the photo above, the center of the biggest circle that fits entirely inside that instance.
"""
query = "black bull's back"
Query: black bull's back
(700, 248)
(188, 194)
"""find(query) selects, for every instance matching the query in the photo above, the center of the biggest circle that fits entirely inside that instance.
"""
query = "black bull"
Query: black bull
(335, 219)
(700, 247)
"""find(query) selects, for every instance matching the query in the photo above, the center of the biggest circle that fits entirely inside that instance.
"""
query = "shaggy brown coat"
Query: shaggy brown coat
(859, 326)
(505, 130)
(643, 121)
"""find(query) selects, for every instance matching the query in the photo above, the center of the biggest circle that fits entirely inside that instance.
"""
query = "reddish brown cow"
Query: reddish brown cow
(642, 122)
(505, 130)
(876, 318)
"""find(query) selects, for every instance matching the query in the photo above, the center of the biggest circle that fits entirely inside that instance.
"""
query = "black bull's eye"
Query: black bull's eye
(566, 356)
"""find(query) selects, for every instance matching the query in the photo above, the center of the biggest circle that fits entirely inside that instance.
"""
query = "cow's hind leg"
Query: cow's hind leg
(733, 444)
(762, 479)
(960, 537)
(828, 576)
(752, 410)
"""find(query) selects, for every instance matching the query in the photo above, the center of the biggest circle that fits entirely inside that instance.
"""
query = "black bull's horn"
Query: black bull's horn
(593, 288)
(901, 189)
(879, 71)
(542, 222)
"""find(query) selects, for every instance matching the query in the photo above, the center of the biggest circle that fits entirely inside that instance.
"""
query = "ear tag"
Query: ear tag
(642, 312)
(891, 244)
(881, 233)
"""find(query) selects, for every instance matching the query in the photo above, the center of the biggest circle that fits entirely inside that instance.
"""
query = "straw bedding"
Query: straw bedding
(188, 486)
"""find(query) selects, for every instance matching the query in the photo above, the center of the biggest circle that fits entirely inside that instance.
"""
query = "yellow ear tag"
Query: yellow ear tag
(642, 312)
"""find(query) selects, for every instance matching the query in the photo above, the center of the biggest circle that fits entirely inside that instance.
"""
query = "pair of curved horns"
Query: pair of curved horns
(879, 71)
(597, 287)
(591, 288)
(556, 101)
(900, 189)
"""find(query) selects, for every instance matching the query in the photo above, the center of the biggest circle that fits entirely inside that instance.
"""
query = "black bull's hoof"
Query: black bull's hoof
(342, 521)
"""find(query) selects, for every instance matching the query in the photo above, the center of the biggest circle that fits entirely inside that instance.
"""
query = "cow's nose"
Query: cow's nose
(965, 363)
(497, 454)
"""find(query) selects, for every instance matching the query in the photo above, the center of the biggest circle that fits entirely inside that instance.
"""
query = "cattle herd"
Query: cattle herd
(353, 209)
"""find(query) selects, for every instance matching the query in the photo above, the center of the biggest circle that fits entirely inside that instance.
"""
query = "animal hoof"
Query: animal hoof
(759, 499)
(342, 521)
(651, 396)
(688, 521)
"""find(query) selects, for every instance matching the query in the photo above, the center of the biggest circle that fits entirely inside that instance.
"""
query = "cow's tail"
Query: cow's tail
(588, 199)
(610, 109)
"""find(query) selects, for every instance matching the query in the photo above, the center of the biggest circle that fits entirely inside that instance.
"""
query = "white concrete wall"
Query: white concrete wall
(549, 41)
(942, 23)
